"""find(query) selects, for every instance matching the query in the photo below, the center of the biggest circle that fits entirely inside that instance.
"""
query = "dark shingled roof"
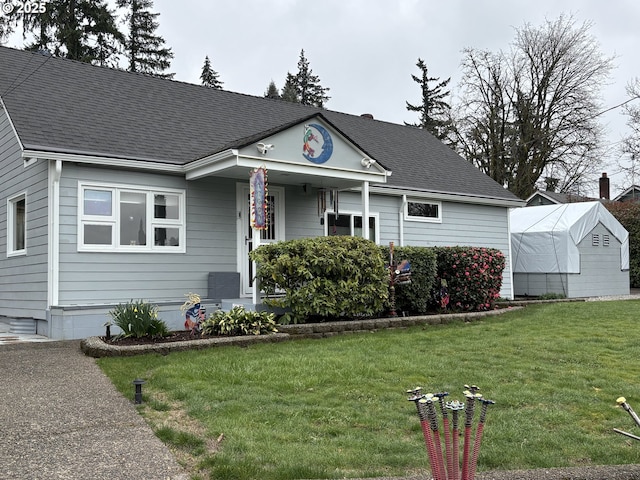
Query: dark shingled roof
(59, 105)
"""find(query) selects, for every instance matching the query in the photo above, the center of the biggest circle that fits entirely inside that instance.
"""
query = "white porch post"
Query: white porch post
(365, 210)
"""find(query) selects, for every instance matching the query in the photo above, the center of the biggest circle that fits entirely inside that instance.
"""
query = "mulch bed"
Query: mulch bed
(177, 336)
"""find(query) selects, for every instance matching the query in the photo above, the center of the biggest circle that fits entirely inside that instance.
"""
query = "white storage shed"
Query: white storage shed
(574, 249)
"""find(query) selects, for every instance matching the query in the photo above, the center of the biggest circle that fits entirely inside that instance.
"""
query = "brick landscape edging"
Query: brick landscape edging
(97, 348)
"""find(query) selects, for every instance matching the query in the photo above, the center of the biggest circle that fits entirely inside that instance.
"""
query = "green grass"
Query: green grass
(337, 407)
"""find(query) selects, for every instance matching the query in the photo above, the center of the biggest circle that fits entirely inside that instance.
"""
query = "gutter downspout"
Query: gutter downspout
(53, 290)
(401, 219)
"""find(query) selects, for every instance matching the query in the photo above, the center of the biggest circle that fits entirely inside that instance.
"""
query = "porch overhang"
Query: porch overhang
(232, 164)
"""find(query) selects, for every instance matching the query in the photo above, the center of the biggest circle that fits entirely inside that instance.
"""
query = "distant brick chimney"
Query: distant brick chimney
(604, 187)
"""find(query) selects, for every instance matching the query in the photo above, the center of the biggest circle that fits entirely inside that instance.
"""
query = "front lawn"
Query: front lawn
(337, 407)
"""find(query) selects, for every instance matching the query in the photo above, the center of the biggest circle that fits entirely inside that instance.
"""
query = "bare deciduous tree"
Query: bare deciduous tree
(631, 142)
(532, 112)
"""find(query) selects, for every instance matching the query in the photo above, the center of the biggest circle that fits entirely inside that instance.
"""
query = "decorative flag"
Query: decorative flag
(258, 190)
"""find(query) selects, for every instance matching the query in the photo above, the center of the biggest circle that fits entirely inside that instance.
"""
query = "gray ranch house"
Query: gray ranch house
(117, 186)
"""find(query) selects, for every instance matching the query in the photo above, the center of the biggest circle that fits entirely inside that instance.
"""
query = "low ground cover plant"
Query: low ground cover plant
(239, 321)
(337, 407)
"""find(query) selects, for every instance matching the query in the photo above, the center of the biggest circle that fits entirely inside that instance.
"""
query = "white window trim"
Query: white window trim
(11, 231)
(114, 219)
(411, 218)
(353, 213)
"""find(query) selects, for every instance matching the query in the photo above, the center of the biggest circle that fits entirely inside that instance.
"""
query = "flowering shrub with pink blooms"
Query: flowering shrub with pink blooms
(473, 275)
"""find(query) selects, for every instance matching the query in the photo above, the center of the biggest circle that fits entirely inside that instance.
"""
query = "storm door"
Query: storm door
(273, 233)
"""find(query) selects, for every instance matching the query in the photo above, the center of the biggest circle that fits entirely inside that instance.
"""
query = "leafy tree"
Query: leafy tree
(145, 51)
(272, 91)
(306, 86)
(210, 78)
(532, 112)
(83, 30)
(434, 110)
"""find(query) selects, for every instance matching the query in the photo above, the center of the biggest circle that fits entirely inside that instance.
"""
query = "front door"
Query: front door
(273, 233)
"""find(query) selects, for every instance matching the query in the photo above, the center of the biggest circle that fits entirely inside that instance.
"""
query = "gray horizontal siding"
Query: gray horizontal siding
(96, 278)
(301, 211)
(23, 279)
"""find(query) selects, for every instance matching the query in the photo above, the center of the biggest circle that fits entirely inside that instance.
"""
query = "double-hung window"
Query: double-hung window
(133, 219)
(17, 225)
(423, 211)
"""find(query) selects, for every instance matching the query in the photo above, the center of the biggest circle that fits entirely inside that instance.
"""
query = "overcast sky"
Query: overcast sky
(366, 50)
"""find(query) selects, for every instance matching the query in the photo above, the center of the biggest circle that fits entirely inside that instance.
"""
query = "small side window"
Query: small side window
(17, 225)
(423, 211)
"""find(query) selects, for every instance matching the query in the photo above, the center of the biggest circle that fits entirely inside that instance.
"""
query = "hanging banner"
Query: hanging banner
(258, 191)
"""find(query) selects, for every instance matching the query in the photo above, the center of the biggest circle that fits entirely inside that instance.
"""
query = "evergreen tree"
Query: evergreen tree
(434, 110)
(83, 30)
(145, 51)
(272, 91)
(304, 87)
(209, 77)
(289, 91)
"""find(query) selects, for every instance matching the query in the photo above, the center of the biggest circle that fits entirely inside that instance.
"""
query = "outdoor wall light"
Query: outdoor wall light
(367, 162)
(138, 396)
(263, 148)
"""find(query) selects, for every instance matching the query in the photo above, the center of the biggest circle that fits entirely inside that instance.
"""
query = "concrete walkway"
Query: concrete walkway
(61, 418)
(7, 337)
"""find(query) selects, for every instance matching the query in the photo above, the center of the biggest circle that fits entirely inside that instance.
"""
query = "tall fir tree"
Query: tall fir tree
(289, 91)
(83, 30)
(209, 77)
(304, 87)
(434, 110)
(145, 51)
(272, 91)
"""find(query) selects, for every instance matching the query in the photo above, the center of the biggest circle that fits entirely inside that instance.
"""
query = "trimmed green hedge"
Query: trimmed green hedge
(415, 297)
(323, 278)
(329, 278)
(473, 275)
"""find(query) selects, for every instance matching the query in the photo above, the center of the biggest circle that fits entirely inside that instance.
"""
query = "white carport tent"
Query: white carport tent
(546, 239)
